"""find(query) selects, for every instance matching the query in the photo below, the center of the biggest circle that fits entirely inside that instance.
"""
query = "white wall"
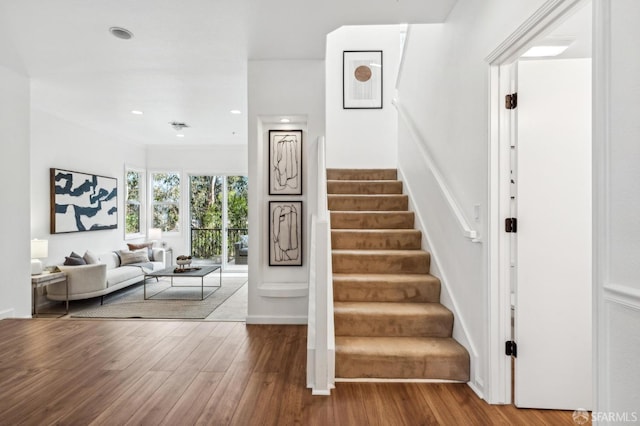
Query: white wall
(362, 138)
(216, 160)
(15, 291)
(617, 208)
(276, 89)
(56, 143)
(443, 87)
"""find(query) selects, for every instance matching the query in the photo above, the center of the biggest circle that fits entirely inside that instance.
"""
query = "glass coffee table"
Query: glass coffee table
(199, 272)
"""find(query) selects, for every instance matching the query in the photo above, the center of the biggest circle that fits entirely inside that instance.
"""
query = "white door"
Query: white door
(553, 260)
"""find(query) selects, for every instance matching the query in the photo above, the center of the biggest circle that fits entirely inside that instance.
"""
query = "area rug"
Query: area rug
(177, 302)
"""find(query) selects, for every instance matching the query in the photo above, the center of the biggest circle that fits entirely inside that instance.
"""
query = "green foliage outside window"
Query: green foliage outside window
(206, 203)
(132, 211)
(166, 201)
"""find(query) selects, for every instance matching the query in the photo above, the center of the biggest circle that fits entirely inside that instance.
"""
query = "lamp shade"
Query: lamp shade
(39, 249)
(155, 234)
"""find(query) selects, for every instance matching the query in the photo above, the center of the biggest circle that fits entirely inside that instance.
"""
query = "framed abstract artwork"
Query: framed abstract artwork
(285, 162)
(82, 202)
(362, 79)
(285, 233)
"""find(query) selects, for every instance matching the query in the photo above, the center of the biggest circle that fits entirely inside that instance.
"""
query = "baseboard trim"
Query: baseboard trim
(268, 319)
(382, 380)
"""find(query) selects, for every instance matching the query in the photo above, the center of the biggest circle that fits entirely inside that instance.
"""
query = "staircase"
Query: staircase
(389, 323)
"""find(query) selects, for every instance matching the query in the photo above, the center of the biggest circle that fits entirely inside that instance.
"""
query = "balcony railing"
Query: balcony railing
(206, 243)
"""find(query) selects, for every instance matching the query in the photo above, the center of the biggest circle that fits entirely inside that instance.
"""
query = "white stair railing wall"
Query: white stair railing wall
(320, 331)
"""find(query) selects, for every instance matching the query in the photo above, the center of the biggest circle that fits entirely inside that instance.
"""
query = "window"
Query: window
(166, 201)
(134, 221)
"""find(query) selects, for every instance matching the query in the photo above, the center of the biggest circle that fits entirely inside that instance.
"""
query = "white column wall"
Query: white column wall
(277, 89)
(362, 138)
(616, 211)
(15, 289)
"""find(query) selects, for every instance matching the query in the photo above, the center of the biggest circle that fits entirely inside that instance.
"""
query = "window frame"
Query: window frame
(142, 201)
(177, 203)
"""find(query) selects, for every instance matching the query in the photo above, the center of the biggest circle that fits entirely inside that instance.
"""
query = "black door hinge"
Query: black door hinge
(511, 349)
(511, 225)
(511, 101)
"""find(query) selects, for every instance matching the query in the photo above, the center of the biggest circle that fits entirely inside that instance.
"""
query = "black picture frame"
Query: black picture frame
(81, 202)
(362, 77)
(285, 162)
(285, 233)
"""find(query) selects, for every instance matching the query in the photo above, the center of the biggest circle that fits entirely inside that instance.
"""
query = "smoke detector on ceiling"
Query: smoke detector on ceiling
(178, 125)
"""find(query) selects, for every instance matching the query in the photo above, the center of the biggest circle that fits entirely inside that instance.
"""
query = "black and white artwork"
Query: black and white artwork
(82, 202)
(285, 162)
(285, 233)
(362, 79)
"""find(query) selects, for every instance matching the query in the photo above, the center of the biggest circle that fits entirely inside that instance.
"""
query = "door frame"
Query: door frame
(500, 62)
(225, 265)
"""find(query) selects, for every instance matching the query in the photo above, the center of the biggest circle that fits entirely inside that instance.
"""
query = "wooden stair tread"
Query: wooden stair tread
(362, 174)
(364, 187)
(435, 358)
(394, 253)
(399, 278)
(380, 232)
(390, 308)
(363, 181)
(372, 239)
(367, 196)
(372, 219)
(398, 346)
(408, 288)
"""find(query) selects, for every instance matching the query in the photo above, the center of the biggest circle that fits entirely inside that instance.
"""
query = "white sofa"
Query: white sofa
(99, 279)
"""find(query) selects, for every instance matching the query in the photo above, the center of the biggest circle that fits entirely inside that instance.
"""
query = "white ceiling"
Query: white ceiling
(187, 61)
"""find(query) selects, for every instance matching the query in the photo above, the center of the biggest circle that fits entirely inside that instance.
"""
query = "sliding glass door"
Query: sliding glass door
(219, 220)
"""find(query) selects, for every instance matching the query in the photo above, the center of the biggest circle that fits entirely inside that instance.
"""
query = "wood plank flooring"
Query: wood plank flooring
(134, 372)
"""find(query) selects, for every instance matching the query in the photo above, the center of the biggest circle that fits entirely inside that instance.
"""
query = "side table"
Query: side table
(44, 280)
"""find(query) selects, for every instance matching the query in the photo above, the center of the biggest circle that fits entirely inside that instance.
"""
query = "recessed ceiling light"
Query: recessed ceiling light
(235, 111)
(136, 112)
(544, 51)
(180, 135)
(285, 120)
(121, 33)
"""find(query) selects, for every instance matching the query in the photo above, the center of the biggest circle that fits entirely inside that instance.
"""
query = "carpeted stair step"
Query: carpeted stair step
(364, 187)
(376, 239)
(362, 174)
(372, 220)
(401, 358)
(380, 261)
(386, 288)
(392, 319)
(385, 202)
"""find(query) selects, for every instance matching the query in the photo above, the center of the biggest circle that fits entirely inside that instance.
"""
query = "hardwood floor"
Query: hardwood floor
(80, 372)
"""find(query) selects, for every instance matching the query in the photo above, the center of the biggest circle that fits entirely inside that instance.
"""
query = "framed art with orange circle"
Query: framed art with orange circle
(362, 79)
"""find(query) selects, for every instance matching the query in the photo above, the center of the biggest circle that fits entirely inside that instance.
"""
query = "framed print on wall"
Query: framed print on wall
(82, 202)
(285, 162)
(285, 233)
(362, 79)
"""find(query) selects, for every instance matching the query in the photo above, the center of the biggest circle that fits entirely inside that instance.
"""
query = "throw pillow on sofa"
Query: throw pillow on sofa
(74, 259)
(137, 256)
(138, 246)
(90, 258)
